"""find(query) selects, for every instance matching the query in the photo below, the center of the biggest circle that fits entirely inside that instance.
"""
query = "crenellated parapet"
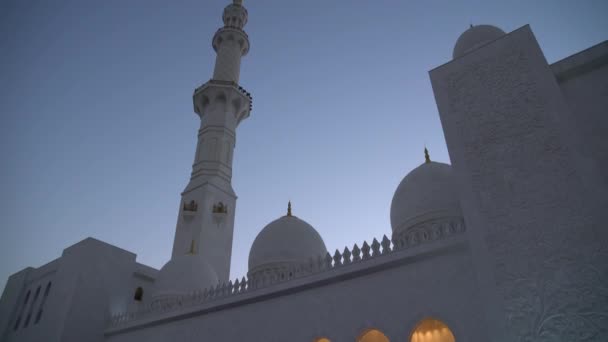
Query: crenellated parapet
(361, 258)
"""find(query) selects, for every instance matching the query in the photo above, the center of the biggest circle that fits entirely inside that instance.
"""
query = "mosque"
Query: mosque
(506, 244)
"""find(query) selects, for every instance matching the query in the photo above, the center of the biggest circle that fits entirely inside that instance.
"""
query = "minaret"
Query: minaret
(206, 211)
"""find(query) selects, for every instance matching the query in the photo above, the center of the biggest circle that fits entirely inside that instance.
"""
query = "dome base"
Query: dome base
(431, 230)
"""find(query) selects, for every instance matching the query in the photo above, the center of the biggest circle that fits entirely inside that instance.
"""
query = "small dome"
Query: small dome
(426, 193)
(184, 274)
(475, 37)
(285, 241)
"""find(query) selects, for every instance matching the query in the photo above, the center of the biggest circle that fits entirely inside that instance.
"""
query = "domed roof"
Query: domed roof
(475, 37)
(184, 274)
(285, 240)
(426, 193)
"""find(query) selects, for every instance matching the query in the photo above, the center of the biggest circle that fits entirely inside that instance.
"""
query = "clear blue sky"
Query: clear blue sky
(97, 132)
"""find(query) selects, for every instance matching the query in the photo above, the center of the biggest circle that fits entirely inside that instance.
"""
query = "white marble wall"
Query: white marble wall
(89, 282)
(390, 292)
(539, 249)
(583, 79)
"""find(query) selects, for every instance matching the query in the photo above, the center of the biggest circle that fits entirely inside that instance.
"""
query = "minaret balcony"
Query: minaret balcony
(223, 93)
(231, 33)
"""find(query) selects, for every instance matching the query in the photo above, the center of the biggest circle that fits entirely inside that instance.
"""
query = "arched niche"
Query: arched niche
(432, 330)
(139, 294)
(372, 335)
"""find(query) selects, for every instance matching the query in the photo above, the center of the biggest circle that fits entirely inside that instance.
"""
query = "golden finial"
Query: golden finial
(289, 208)
(427, 158)
(192, 251)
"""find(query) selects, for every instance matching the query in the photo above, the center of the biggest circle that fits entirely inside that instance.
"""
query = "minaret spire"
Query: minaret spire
(221, 104)
(427, 158)
(289, 208)
(231, 43)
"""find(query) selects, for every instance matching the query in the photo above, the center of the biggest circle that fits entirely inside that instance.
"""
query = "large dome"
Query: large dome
(287, 241)
(475, 37)
(184, 274)
(425, 194)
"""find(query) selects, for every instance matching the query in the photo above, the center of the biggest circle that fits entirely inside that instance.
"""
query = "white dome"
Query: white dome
(285, 241)
(426, 193)
(475, 37)
(184, 274)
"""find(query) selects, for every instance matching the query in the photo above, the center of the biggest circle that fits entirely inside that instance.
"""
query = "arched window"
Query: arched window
(40, 309)
(29, 314)
(27, 298)
(17, 323)
(322, 339)
(139, 294)
(432, 330)
(373, 335)
(48, 288)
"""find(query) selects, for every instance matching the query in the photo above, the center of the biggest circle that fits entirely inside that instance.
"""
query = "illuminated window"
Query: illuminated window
(373, 335)
(323, 339)
(432, 330)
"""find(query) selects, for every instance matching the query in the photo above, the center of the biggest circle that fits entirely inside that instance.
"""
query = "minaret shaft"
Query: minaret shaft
(215, 143)
(228, 62)
(206, 212)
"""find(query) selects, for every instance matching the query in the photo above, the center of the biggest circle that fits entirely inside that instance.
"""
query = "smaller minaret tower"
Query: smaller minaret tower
(206, 211)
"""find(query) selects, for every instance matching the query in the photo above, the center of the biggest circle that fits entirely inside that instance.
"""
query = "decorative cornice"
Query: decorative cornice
(429, 230)
(430, 217)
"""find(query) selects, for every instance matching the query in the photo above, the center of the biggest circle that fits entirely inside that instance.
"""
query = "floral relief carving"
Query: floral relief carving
(550, 270)
(568, 302)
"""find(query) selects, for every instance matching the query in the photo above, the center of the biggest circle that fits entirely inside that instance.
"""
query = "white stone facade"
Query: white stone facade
(507, 244)
(531, 204)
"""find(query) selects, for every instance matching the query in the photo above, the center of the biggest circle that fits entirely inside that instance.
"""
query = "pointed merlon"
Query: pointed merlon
(427, 158)
(289, 208)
